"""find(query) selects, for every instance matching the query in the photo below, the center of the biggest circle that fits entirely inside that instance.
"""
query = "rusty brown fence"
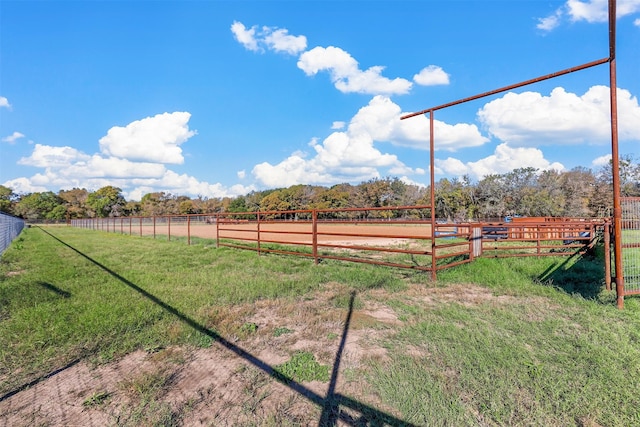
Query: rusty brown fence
(391, 236)
(403, 237)
(541, 236)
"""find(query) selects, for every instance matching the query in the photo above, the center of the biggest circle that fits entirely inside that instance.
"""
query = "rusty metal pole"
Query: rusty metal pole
(615, 162)
(217, 230)
(258, 228)
(432, 197)
(314, 235)
(607, 256)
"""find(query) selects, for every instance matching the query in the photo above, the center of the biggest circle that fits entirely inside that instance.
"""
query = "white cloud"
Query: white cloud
(241, 174)
(504, 160)
(11, 139)
(351, 155)
(24, 186)
(4, 103)
(46, 156)
(602, 160)
(597, 10)
(591, 11)
(112, 167)
(431, 75)
(637, 22)
(244, 36)
(279, 40)
(381, 119)
(184, 184)
(338, 125)
(346, 75)
(276, 39)
(66, 167)
(154, 139)
(561, 118)
(409, 181)
(550, 22)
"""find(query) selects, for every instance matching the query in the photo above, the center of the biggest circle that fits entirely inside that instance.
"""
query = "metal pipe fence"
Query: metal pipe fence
(401, 236)
(10, 228)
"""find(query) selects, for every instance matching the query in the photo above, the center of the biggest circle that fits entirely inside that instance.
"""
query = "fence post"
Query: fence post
(217, 230)
(607, 255)
(169, 227)
(314, 231)
(188, 230)
(476, 241)
(258, 227)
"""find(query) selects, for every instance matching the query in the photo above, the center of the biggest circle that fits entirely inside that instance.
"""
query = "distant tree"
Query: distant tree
(39, 206)
(187, 207)
(601, 201)
(132, 208)
(275, 201)
(7, 198)
(107, 201)
(239, 204)
(490, 196)
(75, 201)
(577, 186)
(454, 199)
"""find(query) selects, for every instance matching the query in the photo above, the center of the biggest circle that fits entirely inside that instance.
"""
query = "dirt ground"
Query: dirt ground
(229, 383)
(383, 234)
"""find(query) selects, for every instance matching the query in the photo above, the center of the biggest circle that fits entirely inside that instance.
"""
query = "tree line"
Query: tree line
(579, 192)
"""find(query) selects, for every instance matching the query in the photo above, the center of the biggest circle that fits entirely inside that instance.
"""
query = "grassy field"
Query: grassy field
(518, 341)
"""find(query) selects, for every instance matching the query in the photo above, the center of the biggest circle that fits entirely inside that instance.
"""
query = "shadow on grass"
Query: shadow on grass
(56, 290)
(580, 274)
(331, 404)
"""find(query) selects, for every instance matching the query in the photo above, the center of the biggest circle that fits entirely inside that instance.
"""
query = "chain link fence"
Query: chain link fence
(10, 228)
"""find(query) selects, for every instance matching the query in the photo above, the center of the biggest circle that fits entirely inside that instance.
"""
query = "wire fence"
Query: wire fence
(631, 244)
(10, 228)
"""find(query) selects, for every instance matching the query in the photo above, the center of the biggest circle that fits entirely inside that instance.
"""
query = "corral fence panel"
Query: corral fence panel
(10, 228)
(523, 237)
(631, 244)
(395, 236)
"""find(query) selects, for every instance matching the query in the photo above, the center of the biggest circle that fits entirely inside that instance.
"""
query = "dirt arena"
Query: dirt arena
(281, 232)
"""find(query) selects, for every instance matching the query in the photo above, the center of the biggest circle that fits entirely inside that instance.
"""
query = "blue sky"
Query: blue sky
(219, 98)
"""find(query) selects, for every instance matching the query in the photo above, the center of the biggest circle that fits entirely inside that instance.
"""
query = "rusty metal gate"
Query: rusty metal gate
(631, 244)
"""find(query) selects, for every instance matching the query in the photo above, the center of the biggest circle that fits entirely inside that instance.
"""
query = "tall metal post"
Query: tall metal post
(432, 194)
(615, 162)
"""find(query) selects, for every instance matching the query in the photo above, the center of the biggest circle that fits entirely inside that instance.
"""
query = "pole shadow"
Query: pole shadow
(56, 290)
(580, 274)
(331, 404)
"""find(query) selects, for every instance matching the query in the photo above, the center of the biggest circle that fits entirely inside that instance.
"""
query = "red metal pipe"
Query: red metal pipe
(432, 195)
(510, 87)
(615, 162)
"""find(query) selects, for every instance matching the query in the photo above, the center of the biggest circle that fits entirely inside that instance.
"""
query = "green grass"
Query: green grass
(302, 367)
(61, 288)
(516, 341)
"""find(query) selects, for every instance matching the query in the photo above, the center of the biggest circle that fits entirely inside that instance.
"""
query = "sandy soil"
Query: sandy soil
(228, 383)
(285, 233)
